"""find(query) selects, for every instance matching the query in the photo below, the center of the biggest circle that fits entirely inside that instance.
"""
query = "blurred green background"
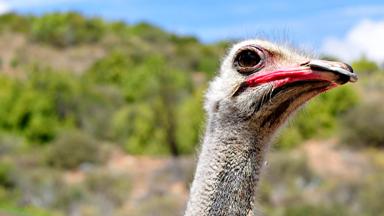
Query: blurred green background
(104, 118)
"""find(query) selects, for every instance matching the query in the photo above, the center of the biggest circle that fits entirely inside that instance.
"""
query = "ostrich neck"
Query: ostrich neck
(227, 172)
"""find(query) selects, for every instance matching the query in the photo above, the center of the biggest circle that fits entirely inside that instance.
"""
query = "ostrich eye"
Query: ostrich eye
(248, 60)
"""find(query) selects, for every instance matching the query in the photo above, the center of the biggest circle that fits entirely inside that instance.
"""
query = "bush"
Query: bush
(13, 210)
(66, 29)
(371, 193)
(110, 69)
(159, 205)
(364, 125)
(287, 184)
(31, 107)
(72, 149)
(114, 188)
(315, 210)
(6, 180)
(14, 23)
(190, 119)
(365, 66)
(150, 33)
(289, 167)
(136, 127)
(48, 101)
(320, 118)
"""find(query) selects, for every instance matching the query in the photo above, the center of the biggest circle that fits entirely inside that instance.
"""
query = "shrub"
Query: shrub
(320, 118)
(159, 205)
(365, 66)
(110, 69)
(289, 167)
(32, 107)
(71, 149)
(10, 144)
(371, 193)
(66, 29)
(136, 126)
(315, 210)
(114, 188)
(101, 193)
(150, 33)
(364, 125)
(14, 23)
(190, 122)
(6, 180)
(48, 101)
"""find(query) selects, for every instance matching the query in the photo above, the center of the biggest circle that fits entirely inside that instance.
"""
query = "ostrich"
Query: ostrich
(259, 86)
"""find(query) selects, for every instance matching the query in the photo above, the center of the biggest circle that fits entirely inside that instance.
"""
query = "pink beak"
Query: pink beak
(336, 73)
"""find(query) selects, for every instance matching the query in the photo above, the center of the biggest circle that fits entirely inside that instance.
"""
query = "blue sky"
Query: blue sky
(317, 25)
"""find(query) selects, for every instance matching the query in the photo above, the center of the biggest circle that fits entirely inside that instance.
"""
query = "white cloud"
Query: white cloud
(4, 7)
(365, 38)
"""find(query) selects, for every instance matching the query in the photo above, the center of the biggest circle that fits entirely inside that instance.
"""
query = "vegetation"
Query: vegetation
(320, 118)
(141, 93)
(291, 187)
(61, 153)
(66, 29)
(138, 94)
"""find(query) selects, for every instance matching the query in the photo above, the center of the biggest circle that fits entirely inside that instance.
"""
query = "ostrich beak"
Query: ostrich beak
(335, 67)
(336, 73)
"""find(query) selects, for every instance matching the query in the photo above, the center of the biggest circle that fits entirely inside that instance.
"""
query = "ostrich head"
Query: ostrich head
(260, 84)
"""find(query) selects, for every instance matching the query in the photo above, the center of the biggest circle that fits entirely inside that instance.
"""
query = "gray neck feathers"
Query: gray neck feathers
(227, 172)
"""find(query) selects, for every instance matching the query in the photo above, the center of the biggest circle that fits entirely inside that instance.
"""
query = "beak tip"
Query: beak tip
(353, 78)
(331, 67)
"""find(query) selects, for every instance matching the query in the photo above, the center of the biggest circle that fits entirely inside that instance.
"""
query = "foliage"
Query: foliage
(363, 125)
(292, 186)
(28, 120)
(153, 91)
(55, 101)
(365, 66)
(115, 188)
(315, 210)
(149, 33)
(370, 195)
(110, 69)
(72, 149)
(12, 22)
(190, 119)
(146, 78)
(66, 29)
(136, 128)
(320, 117)
(12, 210)
(6, 180)
(160, 205)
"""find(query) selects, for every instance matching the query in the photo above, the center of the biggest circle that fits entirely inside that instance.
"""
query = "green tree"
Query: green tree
(66, 29)
(162, 89)
(364, 125)
(190, 119)
(153, 92)
(12, 22)
(71, 149)
(365, 66)
(320, 118)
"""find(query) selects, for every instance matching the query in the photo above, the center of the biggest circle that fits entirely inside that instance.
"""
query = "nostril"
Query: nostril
(348, 67)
